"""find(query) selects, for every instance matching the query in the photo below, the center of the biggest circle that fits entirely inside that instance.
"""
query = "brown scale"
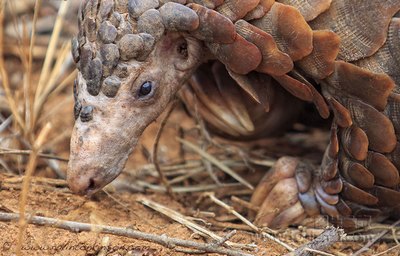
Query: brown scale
(274, 62)
(374, 124)
(241, 56)
(278, 22)
(317, 98)
(392, 111)
(368, 33)
(249, 84)
(356, 195)
(257, 48)
(320, 63)
(394, 156)
(385, 173)
(295, 87)
(386, 59)
(260, 10)
(356, 173)
(224, 33)
(310, 9)
(351, 80)
(332, 187)
(355, 142)
(342, 114)
(363, 211)
(387, 197)
(210, 4)
(236, 9)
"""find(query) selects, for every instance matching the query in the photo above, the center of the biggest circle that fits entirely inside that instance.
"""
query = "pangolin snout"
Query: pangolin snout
(86, 183)
(98, 155)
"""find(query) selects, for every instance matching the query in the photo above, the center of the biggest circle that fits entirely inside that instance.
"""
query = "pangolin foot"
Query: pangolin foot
(284, 195)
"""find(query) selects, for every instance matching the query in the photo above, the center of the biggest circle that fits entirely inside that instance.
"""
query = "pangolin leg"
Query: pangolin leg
(277, 194)
(295, 189)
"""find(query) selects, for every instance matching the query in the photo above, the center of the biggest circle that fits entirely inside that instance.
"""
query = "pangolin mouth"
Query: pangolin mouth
(88, 181)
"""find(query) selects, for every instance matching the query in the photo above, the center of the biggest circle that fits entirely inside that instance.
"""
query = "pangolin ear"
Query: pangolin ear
(189, 51)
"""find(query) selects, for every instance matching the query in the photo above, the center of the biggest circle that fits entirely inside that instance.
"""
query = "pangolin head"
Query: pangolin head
(132, 59)
(134, 55)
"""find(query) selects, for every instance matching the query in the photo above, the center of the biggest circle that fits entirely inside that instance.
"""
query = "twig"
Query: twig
(186, 189)
(28, 75)
(44, 74)
(264, 162)
(232, 211)
(376, 238)
(247, 222)
(226, 238)
(163, 179)
(388, 250)
(189, 174)
(245, 204)
(366, 238)
(276, 240)
(4, 76)
(319, 252)
(26, 182)
(28, 152)
(210, 171)
(191, 225)
(168, 242)
(216, 162)
(105, 242)
(4, 124)
(323, 241)
(229, 225)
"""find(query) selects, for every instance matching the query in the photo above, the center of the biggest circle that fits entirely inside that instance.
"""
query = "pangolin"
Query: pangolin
(247, 65)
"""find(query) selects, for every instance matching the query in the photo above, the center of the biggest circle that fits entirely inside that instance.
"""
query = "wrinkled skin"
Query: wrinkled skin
(100, 147)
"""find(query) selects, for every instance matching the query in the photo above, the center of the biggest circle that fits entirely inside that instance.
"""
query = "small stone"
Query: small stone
(150, 22)
(107, 32)
(130, 46)
(94, 75)
(121, 70)
(115, 19)
(77, 109)
(90, 7)
(90, 29)
(75, 49)
(87, 54)
(86, 113)
(137, 7)
(111, 86)
(75, 89)
(175, 1)
(208, 4)
(124, 29)
(109, 55)
(177, 17)
(148, 46)
(107, 71)
(81, 39)
(106, 7)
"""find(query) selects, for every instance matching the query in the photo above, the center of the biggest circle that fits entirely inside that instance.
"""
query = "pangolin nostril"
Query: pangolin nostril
(92, 185)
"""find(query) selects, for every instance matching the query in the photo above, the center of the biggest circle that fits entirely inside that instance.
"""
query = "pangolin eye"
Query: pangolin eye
(145, 89)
